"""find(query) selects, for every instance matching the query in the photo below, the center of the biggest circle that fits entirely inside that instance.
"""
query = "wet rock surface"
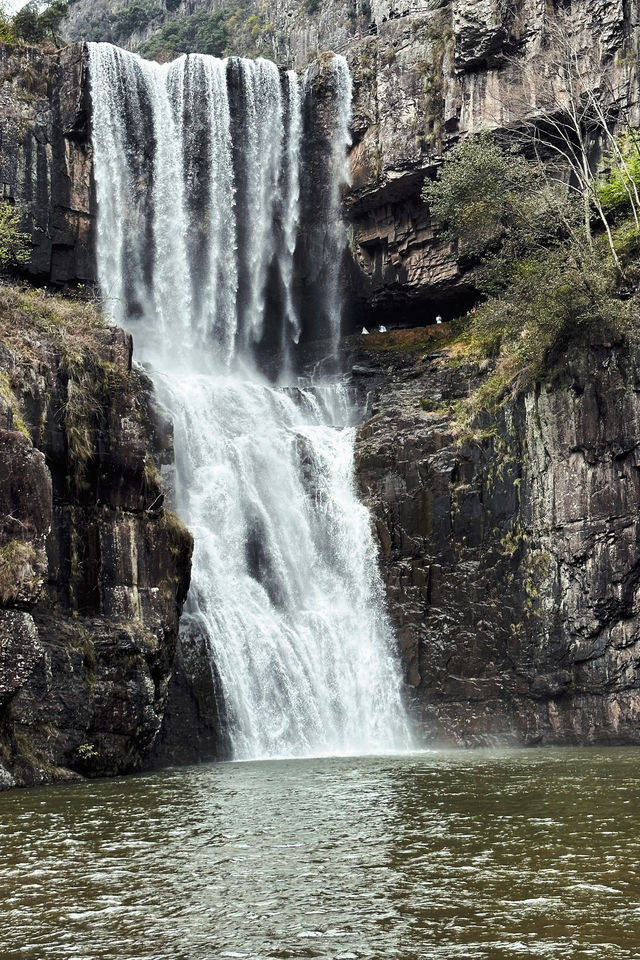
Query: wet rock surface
(510, 554)
(92, 576)
(45, 160)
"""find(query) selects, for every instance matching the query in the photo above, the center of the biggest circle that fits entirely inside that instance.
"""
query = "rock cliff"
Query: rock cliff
(511, 551)
(93, 569)
(45, 160)
(424, 74)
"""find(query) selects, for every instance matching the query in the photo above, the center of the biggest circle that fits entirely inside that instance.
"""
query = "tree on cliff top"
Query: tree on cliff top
(39, 21)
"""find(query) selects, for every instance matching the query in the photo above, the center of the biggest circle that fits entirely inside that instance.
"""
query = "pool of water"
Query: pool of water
(441, 855)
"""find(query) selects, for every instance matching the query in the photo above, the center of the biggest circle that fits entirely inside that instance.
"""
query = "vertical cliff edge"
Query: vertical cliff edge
(93, 569)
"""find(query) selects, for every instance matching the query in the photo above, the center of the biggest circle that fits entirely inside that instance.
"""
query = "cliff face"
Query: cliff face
(511, 554)
(45, 161)
(424, 75)
(93, 569)
(429, 78)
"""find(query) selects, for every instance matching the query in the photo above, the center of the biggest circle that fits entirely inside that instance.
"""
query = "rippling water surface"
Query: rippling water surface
(443, 855)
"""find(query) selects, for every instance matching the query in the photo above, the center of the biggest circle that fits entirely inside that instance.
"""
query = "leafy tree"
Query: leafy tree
(7, 33)
(39, 21)
(51, 17)
(498, 207)
(26, 23)
(211, 35)
(546, 278)
(482, 193)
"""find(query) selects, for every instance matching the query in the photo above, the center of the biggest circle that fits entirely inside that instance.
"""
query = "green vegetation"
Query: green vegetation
(135, 17)
(14, 243)
(549, 277)
(10, 398)
(75, 330)
(210, 33)
(19, 566)
(619, 191)
(37, 22)
(200, 33)
(87, 751)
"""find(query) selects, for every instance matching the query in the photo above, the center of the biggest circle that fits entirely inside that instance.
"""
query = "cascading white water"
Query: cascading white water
(198, 185)
(336, 234)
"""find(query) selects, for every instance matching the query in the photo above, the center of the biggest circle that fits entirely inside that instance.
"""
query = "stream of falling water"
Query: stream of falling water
(197, 168)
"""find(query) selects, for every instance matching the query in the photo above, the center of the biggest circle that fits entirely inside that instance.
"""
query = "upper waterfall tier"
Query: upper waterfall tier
(199, 185)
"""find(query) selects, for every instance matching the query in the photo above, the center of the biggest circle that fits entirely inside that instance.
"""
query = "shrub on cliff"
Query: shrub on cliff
(487, 196)
(618, 191)
(496, 205)
(547, 280)
(14, 243)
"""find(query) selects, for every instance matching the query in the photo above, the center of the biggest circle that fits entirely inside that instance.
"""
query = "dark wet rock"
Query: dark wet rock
(194, 727)
(511, 555)
(92, 581)
(45, 161)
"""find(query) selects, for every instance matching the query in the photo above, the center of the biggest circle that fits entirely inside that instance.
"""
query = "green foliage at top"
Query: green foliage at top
(547, 282)
(618, 189)
(7, 34)
(211, 33)
(135, 17)
(487, 196)
(200, 33)
(38, 21)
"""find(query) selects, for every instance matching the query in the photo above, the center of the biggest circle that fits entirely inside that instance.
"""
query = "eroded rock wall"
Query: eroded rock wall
(424, 75)
(429, 76)
(93, 569)
(45, 160)
(511, 554)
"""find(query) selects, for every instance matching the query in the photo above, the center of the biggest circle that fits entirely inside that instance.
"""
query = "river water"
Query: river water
(524, 854)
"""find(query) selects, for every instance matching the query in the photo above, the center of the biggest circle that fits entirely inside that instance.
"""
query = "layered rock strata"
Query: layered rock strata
(511, 551)
(93, 569)
(424, 74)
(45, 160)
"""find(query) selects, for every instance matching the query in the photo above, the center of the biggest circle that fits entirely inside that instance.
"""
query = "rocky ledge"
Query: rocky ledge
(93, 569)
(511, 551)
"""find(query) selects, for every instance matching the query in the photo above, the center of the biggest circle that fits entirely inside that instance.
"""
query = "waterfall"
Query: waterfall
(198, 186)
(336, 233)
